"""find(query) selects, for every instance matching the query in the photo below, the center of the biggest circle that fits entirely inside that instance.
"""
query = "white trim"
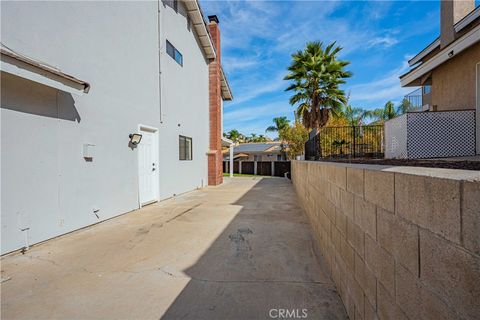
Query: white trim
(467, 20)
(201, 30)
(27, 71)
(154, 130)
(458, 46)
(424, 52)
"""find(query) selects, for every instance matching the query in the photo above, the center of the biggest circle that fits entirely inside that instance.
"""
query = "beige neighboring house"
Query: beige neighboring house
(447, 70)
(268, 151)
(446, 104)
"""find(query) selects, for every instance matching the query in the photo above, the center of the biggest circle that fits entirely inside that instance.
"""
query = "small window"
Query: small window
(427, 89)
(172, 4)
(185, 148)
(174, 53)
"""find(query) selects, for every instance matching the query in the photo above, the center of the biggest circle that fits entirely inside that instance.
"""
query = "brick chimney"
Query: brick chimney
(215, 157)
(452, 11)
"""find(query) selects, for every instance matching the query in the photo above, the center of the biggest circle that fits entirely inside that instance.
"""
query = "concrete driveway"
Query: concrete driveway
(239, 251)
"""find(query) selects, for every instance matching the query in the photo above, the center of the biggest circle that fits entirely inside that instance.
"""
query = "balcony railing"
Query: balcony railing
(415, 100)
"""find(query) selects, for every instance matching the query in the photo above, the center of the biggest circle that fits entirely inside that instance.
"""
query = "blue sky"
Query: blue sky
(258, 38)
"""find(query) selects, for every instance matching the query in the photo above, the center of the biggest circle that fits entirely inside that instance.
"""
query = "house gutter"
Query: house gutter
(463, 43)
(196, 15)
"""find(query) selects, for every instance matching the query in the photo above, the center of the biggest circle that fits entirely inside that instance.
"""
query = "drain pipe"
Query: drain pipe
(159, 28)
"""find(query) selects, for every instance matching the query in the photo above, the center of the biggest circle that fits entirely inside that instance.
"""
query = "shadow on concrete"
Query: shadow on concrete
(262, 262)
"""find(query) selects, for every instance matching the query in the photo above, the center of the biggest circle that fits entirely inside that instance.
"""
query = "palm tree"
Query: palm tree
(354, 116)
(386, 113)
(280, 123)
(234, 135)
(404, 106)
(251, 138)
(261, 138)
(317, 74)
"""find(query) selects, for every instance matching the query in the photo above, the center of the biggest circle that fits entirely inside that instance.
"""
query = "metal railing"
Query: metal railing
(415, 100)
(346, 142)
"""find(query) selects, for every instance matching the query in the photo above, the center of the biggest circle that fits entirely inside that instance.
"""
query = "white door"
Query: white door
(148, 166)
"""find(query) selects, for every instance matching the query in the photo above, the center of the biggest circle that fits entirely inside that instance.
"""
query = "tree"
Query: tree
(280, 123)
(234, 135)
(262, 138)
(353, 116)
(339, 144)
(253, 138)
(295, 137)
(316, 75)
(404, 106)
(386, 113)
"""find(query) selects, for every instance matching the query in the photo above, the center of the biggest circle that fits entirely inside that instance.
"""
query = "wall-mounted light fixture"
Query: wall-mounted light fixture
(135, 138)
(450, 54)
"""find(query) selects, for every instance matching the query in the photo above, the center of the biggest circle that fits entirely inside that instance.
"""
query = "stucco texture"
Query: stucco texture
(454, 82)
(48, 188)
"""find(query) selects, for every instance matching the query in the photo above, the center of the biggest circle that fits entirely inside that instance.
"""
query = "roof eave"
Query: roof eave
(467, 20)
(196, 15)
(40, 72)
(226, 91)
(461, 44)
(459, 26)
(417, 58)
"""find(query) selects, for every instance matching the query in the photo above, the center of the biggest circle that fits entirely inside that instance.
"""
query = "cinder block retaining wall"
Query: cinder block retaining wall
(400, 243)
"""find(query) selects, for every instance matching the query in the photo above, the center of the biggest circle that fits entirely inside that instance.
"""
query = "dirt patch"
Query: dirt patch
(447, 164)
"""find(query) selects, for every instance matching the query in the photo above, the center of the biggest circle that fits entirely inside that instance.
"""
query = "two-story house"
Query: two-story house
(447, 73)
(105, 107)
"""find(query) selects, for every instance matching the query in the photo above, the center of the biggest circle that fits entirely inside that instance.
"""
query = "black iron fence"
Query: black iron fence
(346, 142)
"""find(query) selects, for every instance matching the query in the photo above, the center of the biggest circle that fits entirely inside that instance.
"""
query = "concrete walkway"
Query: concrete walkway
(229, 252)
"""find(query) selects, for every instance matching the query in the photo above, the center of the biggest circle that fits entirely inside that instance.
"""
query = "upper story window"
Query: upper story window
(174, 53)
(426, 89)
(185, 148)
(172, 4)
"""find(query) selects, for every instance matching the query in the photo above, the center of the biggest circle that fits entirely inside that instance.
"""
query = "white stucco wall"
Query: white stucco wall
(184, 106)
(46, 183)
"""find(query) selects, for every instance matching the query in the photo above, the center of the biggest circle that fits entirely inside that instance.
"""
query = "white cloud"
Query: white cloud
(386, 41)
(382, 89)
(259, 36)
(254, 86)
(255, 118)
(232, 64)
(258, 110)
